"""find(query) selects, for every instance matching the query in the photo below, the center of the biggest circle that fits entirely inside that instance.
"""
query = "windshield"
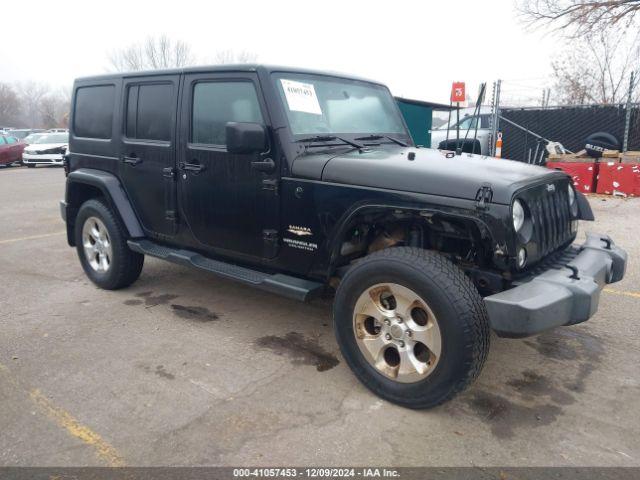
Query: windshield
(19, 133)
(53, 138)
(32, 138)
(324, 105)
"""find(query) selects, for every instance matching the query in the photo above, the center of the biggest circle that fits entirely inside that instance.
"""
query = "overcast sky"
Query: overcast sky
(416, 47)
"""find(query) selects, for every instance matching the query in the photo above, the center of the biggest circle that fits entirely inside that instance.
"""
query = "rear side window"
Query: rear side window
(216, 103)
(149, 112)
(11, 140)
(1, 140)
(93, 113)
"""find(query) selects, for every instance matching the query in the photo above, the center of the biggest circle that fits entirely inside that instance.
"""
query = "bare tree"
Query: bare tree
(228, 56)
(153, 53)
(30, 96)
(596, 69)
(9, 106)
(580, 17)
(54, 109)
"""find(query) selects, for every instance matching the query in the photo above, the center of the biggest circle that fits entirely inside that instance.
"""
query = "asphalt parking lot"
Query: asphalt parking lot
(186, 369)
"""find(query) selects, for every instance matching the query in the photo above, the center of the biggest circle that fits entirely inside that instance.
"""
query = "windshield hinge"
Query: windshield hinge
(270, 184)
(484, 196)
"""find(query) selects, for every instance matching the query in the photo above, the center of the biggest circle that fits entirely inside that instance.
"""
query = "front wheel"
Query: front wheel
(101, 242)
(411, 326)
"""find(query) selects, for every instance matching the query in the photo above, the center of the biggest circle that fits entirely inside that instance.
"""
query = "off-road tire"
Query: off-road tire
(126, 264)
(457, 305)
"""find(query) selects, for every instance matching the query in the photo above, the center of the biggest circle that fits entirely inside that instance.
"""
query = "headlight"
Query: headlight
(518, 215)
(573, 204)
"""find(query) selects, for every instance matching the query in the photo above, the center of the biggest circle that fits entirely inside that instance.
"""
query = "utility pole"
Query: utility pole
(627, 121)
(495, 115)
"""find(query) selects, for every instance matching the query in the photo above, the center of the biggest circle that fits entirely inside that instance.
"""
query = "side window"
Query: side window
(11, 140)
(93, 111)
(216, 103)
(149, 110)
(1, 140)
(485, 121)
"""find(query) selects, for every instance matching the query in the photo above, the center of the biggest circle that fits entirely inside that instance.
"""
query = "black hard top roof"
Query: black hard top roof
(245, 67)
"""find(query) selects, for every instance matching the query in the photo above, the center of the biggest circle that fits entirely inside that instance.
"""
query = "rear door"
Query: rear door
(228, 204)
(147, 153)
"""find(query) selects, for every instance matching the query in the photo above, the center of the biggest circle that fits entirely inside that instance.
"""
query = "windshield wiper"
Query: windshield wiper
(380, 137)
(328, 138)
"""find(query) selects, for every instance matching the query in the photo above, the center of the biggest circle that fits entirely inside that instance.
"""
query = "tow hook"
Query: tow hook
(607, 242)
(574, 271)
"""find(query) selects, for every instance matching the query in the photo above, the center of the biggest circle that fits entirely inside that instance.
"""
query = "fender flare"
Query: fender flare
(112, 189)
(584, 209)
(333, 244)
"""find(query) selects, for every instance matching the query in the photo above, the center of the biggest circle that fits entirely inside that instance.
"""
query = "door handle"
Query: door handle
(192, 167)
(267, 165)
(131, 160)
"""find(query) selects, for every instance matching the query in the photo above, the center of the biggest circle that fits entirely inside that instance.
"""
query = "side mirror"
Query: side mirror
(246, 137)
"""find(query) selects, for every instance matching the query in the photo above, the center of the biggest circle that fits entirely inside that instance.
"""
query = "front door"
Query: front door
(228, 205)
(148, 151)
(16, 148)
(5, 151)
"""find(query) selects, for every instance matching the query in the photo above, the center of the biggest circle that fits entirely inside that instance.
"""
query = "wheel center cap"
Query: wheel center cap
(397, 332)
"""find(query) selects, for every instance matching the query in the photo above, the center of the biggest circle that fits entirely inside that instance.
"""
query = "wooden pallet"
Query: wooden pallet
(578, 157)
(608, 156)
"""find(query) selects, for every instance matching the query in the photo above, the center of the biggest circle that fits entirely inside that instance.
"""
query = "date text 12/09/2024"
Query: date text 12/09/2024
(315, 472)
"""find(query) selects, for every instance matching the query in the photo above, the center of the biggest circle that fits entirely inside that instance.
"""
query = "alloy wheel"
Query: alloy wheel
(97, 244)
(397, 332)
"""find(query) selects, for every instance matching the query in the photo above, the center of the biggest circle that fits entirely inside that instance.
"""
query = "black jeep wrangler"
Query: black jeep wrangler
(299, 182)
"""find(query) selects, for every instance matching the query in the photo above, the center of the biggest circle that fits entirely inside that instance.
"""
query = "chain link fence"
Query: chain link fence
(529, 124)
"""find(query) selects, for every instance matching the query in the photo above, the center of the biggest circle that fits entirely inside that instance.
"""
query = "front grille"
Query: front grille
(551, 219)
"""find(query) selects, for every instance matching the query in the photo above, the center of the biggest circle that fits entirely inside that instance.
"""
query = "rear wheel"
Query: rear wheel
(101, 242)
(411, 326)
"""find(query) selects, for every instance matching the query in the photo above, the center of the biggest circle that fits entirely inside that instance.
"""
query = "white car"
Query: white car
(48, 149)
(467, 122)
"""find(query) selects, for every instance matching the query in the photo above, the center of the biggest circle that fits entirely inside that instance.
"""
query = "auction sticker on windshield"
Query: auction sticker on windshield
(301, 97)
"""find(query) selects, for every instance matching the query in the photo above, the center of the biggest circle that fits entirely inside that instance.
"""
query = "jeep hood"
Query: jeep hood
(431, 172)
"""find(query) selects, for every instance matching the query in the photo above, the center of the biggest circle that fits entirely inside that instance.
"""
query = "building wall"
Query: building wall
(418, 119)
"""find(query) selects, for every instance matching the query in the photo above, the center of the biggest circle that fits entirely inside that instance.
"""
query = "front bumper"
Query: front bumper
(42, 159)
(564, 293)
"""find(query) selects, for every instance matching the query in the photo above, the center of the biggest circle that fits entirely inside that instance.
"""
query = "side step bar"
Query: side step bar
(285, 285)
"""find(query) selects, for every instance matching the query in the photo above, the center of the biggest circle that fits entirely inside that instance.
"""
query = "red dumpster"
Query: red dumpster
(583, 174)
(619, 179)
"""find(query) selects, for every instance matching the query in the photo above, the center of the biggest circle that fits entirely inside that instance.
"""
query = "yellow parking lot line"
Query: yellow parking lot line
(64, 419)
(622, 292)
(31, 237)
